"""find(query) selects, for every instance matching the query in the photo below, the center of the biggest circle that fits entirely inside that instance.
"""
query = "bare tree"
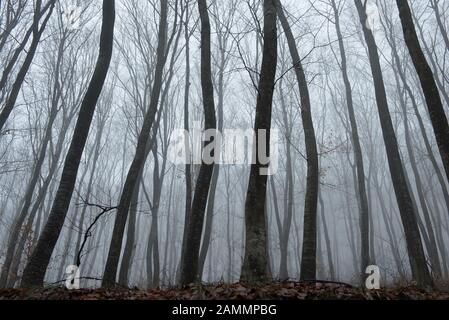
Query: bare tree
(34, 273)
(110, 272)
(408, 215)
(428, 84)
(361, 187)
(256, 263)
(308, 260)
(192, 239)
(37, 32)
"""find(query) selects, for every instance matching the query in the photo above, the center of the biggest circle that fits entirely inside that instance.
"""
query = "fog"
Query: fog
(36, 138)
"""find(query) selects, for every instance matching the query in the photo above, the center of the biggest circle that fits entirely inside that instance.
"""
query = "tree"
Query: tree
(415, 249)
(13, 12)
(256, 264)
(34, 273)
(22, 214)
(140, 156)
(361, 187)
(223, 31)
(308, 260)
(37, 32)
(192, 239)
(428, 84)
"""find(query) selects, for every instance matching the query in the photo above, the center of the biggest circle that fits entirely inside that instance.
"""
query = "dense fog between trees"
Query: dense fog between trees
(353, 93)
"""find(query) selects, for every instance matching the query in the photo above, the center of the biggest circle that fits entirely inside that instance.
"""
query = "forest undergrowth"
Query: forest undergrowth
(237, 291)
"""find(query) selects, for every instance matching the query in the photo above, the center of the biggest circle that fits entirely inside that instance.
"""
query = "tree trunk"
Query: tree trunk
(110, 272)
(35, 270)
(288, 208)
(191, 247)
(256, 261)
(415, 249)
(188, 166)
(213, 187)
(37, 33)
(361, 188)
(434, 104)
(308, 261)
(22, 214)
(432, 248)
(130, 236)
(330, 260)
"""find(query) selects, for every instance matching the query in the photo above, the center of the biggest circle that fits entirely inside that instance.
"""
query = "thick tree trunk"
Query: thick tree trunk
(256, 261)
(415, 249)
(35, 270)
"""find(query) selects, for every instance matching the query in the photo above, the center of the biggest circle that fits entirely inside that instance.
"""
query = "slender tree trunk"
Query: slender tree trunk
(191, 247)
(308, 261)
(95, 155)
(288, 208)
(432, 249)
(35, 270)
(434, 4)
(12, 62)
(110, 272)
(166, 269)
(361, 188)
(21, 216)
(37, 33)
(415, 249)
(188, 167)
(40, 198)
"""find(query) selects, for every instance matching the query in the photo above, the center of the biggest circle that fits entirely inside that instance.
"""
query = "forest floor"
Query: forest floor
(273, 291)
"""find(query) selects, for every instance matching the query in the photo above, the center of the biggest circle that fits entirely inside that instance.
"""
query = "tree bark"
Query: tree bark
(37, 33)
(110, 273)
(433, 99)
(191, 247)
(361, 187)
(288, 207)
(415, 249)
(308, 261)
(256, 261)
(35, 270)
